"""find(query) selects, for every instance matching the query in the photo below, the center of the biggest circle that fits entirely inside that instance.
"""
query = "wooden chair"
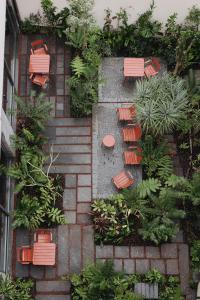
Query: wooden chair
(39, 47)
(43, 236)
(25, 255)
(131, 157)
(126, 113)
(39, 79)
(131, 134)
(152, 68)
(123, 180)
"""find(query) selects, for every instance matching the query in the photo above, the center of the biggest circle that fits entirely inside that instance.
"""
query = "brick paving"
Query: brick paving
(72, 139)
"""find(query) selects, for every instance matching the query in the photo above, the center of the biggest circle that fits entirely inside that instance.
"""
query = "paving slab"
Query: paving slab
(48, 286)
(69, 199)
(63, 250)
(68, 131)
(129, 266)
(75, 260)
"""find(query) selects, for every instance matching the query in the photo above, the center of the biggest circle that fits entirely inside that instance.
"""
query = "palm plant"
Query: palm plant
(161, 102)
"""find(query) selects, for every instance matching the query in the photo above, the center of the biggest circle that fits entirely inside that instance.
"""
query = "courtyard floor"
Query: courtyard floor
(82, 161)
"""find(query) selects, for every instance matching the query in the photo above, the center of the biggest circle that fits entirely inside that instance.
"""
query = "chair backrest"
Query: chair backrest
(132, 110)
(37, 43)
(43, 236)
(156, 63)
(24, 254)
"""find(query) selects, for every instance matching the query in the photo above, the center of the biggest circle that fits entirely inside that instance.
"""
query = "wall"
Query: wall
(163, 10)
(2, 38)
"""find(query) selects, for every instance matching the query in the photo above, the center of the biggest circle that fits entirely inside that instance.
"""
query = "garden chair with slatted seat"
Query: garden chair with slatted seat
(123, 180)
(131, 133)
(25, 255)
(43, 236)
(152, 68)
(39, 47)
(39, 79)
(132, 157)
(126, 113)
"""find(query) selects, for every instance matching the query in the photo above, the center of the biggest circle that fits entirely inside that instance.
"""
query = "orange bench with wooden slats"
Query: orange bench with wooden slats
(44, 254)
(131, 157)
(123, 180)
(133, 67)
(153, 68)
(39, 64)
(126, 113)
(131, 134)
(25, 255)
(39, 47)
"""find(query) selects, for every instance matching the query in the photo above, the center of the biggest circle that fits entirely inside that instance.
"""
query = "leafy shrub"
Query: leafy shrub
(161, 102)
(37, 192)
(195, 255)
(156, 161)
(111, 218)
(100, 281)
(15, 289)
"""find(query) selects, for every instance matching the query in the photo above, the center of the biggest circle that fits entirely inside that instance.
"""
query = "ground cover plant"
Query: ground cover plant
(101, 281)
(37, 192)
(17, 289)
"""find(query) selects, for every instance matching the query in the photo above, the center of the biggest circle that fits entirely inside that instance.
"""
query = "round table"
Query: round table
(108, 141)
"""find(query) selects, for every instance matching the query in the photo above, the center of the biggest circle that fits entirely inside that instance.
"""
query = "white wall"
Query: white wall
(163, 7)
(2, 39)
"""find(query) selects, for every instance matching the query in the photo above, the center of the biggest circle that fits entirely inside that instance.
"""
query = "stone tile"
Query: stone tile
(121, 251)
(22, 270)
(178, 238)
(84, 219)
(88, 246)
(22, 237)
(72, 149)
(142, 266)
(84, 180)
(118, 265)
(71, 169)
(52, 297)
(75, 158)
(37, 272)
(63, 250)
(104, 251)
(61, 286)
(69, 199)
(75, 249)
(184, 266)
(137, 251)
(83, 207)
(70, 217)
(172, 266)
(50, 272)
(70, 181)
(158, 264)
(152, 252)
(129, 266)
(70, 140)
(70, 122)
(84, 194)
(169, 251)
(68, 131)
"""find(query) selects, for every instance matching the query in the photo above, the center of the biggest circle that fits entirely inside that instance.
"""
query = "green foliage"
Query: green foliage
(147, 187)
(195, 255)
(161, 102)
(37, 192)
(111, 218)
(15, 289)
(100, 281)
(156, 161)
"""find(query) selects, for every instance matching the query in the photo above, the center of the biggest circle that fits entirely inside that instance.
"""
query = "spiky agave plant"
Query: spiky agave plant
(161, 102)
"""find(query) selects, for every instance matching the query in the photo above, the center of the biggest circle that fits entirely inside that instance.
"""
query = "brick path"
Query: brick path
(72, 139)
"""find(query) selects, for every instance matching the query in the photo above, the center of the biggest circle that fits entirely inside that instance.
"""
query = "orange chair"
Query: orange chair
(43, 236)
(39, 47)
(152, 68)
(25, 255)
(131, 134)
(131, 157)
(38, 79)
(126, 113)
(123, 180)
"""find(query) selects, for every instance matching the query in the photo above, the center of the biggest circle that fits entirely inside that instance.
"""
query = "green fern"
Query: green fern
(149, 186)
(78, 66)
